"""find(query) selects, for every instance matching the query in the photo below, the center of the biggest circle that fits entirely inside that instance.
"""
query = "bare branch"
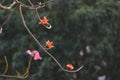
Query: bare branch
(10, 76)
(30, 2)
(30, 7)
(25, 75)
(8, 17)
(18, 73)
(28, 68)
(9, 7)
(6, 68)
(36, 40)
(48, 26)
(36, 11)
(39, 5)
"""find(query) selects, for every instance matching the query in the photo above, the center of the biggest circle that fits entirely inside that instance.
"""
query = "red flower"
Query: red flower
(43, 21)
(49, 44)
(69, 66)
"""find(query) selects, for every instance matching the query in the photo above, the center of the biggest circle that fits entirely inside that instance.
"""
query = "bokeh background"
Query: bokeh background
(84, 32)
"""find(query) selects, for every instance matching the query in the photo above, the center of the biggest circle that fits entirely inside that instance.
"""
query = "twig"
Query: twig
(36, 40)
(48, 26)
(6, 68)
(18, 73)
(30, 7)
(30, 2)
(28, 67)
(25, 75)
(8, 17)
(24, 5)
(9, 7)
(36, 11)
(10, 76)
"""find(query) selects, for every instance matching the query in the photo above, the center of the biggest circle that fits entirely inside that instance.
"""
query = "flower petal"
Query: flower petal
(36, 55)
(69, 66)
(49, 44)
(43, 21)
(28, 52)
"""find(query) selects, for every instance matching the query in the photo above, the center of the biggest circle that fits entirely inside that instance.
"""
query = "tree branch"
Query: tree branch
(25, 75)
(6, 69)
(36, 40)
(48, 26)
(9, 7)
(8, 17)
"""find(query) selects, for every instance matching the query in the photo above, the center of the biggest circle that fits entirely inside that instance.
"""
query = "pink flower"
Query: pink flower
(28, 52)
(34, 54)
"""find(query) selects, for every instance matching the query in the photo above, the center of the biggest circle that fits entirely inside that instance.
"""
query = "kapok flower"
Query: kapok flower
(49, 44)
(44, 21)
(69, 66)
(34, 54)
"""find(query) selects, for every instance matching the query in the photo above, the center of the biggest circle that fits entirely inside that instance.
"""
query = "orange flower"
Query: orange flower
(49, 44)
(69, 66)
(43, 21)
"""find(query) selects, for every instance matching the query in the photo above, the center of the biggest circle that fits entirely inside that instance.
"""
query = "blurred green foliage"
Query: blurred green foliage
(75, 25)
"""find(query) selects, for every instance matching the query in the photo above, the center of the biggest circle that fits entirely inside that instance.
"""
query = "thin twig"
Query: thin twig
(36, 40)
(9, 7)
(30, 7)
(24, 5)
(6, 68)
(35, 7)
(8, 17)
(36, 11)
(30, 2)
(25, 75)
(10, 76)
(18, 73)
(28, 67)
